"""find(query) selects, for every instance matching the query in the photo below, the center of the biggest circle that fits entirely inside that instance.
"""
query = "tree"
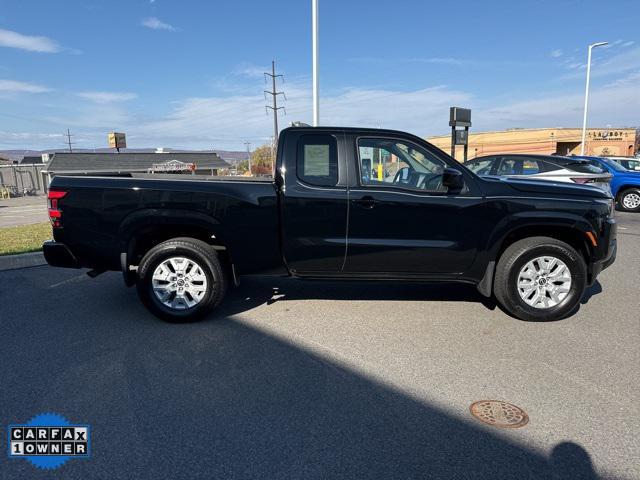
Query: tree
(262, 160)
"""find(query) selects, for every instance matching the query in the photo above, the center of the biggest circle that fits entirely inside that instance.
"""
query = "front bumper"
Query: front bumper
(58, 255)
(607, 252)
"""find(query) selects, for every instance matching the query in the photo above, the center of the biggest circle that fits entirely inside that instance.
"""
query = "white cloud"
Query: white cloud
(14, 86)
(628, 44)
(226, 122)
(556, 53)
(441, 61)
(20, 139)
(399, 60)
(612, 63)
(629, 80)
(108, 97)
(157, 24)
(618, 64)
(13, 39)
(613, 104)
(250, 71)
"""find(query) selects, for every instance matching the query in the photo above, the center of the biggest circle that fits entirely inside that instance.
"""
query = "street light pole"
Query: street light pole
(316, 82)
(586, 95)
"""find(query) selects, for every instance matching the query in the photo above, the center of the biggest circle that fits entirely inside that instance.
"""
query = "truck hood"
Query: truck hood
(631, 175)
(548, 188)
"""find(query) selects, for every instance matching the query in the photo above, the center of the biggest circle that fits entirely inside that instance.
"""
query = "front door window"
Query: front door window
(394, 163)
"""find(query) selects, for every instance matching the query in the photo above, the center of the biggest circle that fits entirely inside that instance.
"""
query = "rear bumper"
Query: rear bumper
(58, 255)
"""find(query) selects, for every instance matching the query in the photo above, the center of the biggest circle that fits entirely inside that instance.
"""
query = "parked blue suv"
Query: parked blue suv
(625, 184)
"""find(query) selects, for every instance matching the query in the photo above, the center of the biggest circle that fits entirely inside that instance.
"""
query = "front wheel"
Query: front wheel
(629, 200)
(540, 279)
(181, 279)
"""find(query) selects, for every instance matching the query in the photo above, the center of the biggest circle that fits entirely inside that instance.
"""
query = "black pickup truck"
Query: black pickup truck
(344, 203)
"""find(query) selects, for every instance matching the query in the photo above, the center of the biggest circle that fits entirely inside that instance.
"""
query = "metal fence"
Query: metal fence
(21, 180)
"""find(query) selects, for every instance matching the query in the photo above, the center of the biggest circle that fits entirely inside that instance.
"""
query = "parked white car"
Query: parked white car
(542, 167)
(630, 163)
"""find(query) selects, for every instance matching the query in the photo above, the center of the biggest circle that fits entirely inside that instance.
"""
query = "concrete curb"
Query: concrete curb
(12, 262)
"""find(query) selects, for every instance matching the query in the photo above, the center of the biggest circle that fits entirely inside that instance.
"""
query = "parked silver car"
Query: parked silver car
(542, 167)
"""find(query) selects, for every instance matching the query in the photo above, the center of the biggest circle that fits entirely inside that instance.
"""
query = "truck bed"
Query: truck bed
(103, 215)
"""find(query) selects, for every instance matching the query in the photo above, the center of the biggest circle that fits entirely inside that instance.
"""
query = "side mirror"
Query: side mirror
(452, 179)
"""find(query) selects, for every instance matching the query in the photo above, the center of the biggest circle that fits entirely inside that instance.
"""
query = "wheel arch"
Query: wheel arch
(570, 234)
(142, 230)
(624, 187)
(571, 230)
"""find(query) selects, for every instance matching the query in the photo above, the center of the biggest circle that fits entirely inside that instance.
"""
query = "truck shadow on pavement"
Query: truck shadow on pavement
(226, 399)
(256, 291)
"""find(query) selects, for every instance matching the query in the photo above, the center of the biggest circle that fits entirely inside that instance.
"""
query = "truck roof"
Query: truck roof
(378, 131)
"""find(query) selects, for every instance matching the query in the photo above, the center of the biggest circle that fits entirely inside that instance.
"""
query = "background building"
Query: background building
(26, 173)
(124, 163)
(546, 141)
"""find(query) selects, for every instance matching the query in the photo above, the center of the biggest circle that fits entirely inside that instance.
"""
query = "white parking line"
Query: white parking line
(30, 209)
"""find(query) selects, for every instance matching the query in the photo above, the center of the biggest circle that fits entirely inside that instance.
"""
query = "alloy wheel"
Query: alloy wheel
(544, 282)
(179, 283)
(631, 201)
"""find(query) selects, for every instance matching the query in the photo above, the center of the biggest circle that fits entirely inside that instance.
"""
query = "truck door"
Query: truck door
(314, 202)
(403, 222)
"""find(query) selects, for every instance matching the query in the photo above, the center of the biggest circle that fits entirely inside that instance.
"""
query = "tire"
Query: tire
(200, 287)
(629, 200)
(543, 296)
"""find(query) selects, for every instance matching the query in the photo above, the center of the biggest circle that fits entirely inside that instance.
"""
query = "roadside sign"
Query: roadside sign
(117, 140)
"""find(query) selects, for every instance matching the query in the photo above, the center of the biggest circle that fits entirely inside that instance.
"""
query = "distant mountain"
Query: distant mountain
(227, 155)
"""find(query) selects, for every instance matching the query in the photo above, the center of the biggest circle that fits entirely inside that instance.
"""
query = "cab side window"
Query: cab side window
(317, 162)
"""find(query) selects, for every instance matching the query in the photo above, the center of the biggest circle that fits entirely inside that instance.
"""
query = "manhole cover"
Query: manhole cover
(499, 414)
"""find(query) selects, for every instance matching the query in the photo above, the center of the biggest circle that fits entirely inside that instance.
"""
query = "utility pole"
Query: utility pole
(315, 55)
(248, 145)
(69, 140)
(586, 96)
(274, 96)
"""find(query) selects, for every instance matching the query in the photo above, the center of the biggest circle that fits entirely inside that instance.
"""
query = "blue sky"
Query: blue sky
(188, 74)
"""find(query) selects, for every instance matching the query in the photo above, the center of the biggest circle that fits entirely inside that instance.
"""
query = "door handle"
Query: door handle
(367, 202)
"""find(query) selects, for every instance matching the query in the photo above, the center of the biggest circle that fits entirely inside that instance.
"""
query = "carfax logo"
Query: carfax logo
(49, 440)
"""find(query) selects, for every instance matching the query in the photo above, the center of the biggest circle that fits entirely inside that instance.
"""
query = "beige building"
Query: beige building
(546, 141)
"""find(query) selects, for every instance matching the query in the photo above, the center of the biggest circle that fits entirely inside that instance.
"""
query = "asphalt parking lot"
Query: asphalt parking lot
(325, 380)
(23, 211)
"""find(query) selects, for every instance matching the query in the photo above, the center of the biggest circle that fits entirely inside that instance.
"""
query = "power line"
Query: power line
(274, 95)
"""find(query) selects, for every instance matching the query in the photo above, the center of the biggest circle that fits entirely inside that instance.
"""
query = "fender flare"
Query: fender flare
(153, 218)
(513, 223)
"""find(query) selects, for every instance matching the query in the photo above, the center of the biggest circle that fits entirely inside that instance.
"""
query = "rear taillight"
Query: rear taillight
(55, 214)
(582, 181)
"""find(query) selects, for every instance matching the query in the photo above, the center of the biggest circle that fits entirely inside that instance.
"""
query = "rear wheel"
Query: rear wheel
(181, 279)
(629, 200)
(540, 279)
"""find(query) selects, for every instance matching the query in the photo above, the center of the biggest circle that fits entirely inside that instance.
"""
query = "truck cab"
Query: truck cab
(372, 203)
